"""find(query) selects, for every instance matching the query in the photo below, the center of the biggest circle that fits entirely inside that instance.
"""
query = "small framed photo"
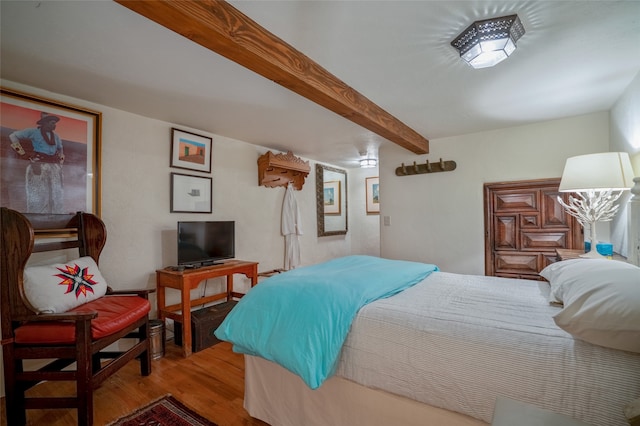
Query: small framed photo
(49, 155)
(190, 151)
(373, 195)
(190, 194)
(332, 201)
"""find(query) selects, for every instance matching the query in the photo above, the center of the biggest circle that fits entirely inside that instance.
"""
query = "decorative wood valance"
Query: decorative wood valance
(280, 169)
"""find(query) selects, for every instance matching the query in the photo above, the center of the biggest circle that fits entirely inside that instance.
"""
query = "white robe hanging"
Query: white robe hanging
(291, 229)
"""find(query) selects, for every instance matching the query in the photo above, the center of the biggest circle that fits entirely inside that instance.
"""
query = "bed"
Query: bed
(442, 349)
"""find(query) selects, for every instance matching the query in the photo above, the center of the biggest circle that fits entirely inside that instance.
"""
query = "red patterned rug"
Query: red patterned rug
(166, 411)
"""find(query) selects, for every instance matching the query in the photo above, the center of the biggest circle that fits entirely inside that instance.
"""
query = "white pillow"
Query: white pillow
(551, 273)
(63, 286)
(601, 301)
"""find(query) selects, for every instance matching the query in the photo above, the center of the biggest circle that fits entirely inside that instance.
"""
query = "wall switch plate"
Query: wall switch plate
(387, 220)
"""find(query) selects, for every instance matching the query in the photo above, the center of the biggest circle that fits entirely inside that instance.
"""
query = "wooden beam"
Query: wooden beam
(220, 27)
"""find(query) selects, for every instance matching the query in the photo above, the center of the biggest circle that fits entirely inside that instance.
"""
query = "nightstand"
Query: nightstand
(509, 412)
(565, 254)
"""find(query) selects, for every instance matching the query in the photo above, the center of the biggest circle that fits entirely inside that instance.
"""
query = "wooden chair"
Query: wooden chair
(79, 336)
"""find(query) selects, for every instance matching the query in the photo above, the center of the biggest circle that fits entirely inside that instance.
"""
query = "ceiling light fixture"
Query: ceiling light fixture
(368, 163)
(486, 43)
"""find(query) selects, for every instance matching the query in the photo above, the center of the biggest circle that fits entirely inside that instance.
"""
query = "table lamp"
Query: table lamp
(597, 180)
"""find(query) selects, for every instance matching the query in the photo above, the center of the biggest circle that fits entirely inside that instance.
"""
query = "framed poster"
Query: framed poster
(332, 201)
(190, 151)
(373, 195)
(190, 194)
(49, 155)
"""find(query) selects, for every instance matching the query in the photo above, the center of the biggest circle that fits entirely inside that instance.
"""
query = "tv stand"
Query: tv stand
(189, 279)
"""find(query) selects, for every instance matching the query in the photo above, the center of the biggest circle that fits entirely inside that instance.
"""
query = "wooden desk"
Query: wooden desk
(189, 279)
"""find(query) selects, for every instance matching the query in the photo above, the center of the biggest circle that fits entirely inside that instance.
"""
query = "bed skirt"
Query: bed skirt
(280, 398)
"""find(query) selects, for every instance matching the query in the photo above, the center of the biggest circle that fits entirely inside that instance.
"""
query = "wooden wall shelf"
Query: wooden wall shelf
(280, 169)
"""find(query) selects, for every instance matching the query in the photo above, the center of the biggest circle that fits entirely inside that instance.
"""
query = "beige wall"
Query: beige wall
(136, 198)
(438, 218)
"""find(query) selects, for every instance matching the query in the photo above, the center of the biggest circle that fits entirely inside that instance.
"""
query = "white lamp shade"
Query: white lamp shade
(602, 171)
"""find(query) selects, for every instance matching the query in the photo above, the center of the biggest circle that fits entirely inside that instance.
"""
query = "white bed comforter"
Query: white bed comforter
(459, 341)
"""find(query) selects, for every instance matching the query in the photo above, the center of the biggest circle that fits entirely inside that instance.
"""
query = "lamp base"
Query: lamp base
(593, 254)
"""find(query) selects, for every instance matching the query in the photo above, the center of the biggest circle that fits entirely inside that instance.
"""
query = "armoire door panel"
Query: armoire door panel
(548, 259)
(517, 263)
(534, 277)
(512, 201)
(553, 213)
(505, 275)
(529, 220)
(543, 240)
(506, 232)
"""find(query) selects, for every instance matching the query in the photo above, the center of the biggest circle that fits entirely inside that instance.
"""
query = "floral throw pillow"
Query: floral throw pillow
(63, 286)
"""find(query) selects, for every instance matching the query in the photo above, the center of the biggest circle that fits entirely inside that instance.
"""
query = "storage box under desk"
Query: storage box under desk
(204, 323)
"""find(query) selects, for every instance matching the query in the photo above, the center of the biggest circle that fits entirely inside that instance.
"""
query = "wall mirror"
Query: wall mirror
(331, 200)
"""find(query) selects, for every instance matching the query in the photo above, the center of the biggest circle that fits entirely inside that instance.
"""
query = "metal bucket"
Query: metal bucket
(156, 338)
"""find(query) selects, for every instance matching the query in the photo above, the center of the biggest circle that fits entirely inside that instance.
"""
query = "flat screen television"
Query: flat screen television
(205, 243)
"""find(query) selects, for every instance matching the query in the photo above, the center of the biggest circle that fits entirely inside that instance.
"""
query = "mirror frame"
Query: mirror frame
(320, 201)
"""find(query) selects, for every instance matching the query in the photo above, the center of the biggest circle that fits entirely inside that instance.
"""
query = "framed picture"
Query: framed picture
(49, 155)
(190, 151)
(190, 194)
(373, 195)
(332, 201)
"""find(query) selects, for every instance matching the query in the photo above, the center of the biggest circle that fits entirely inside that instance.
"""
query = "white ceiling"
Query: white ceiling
(576, 57)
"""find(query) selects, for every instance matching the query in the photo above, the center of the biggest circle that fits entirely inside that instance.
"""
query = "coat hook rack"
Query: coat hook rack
(427, 167)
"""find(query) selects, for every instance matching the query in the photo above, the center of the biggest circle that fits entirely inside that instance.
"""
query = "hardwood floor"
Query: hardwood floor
(211, 382)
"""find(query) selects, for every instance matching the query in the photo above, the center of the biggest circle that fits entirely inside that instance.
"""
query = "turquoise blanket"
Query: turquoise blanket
(300, 319)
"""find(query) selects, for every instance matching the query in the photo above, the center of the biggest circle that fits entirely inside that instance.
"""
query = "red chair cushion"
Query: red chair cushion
(114, 314)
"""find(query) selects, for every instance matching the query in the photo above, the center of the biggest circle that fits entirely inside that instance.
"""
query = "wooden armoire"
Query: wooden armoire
(524, 225)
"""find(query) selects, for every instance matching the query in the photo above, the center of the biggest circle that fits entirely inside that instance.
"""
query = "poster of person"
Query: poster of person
(49, 155)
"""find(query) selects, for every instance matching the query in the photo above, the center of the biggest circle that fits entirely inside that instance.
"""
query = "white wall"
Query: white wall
(439, 218)
(625, 137)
